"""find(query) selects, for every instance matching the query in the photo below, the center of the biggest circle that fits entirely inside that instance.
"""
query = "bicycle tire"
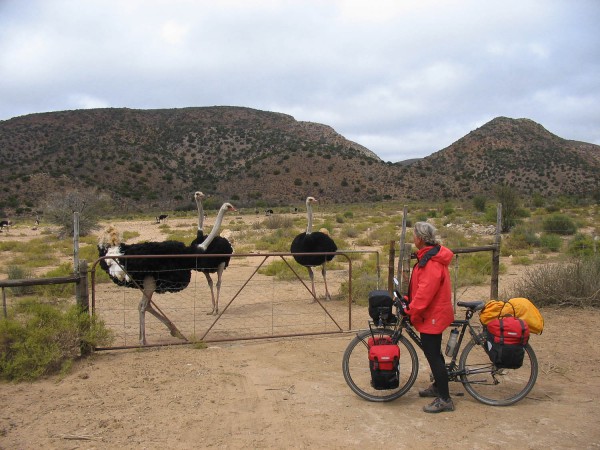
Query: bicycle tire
(355, 366)
(492, 386)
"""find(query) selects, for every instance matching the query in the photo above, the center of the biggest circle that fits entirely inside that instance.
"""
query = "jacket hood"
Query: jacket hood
(444, 256)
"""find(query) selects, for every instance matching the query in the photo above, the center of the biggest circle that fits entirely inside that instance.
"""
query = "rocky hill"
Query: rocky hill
(156, 159)
(518, 152)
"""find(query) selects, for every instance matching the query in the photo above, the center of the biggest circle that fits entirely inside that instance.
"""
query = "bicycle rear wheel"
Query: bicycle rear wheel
(492, 386)
(357, 373)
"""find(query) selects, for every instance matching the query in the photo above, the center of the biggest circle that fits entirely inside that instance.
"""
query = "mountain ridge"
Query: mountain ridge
(148, 159)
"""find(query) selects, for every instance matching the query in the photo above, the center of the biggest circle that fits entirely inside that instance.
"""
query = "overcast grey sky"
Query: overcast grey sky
(403, 78)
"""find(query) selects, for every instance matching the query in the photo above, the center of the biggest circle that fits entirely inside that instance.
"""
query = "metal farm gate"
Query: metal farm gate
(253, 303)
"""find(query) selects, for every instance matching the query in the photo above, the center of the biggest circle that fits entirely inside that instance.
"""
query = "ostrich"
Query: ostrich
(152, 275)
(313, 242)
(212, 245)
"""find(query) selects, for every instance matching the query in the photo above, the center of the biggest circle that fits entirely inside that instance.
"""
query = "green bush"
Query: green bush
(280, 270)
(479, 203)
(40, 339)
(473, 269)
(559, 224)
(364, 280)
(522, 236)
(20, 273)
(581, 245)
(58, 290)
(551, 242)
(275, 222)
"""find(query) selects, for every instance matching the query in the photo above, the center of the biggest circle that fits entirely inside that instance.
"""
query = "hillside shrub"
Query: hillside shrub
(20, 273)
(571, 283)
(40, 339)
(90, 204)
(559, 224)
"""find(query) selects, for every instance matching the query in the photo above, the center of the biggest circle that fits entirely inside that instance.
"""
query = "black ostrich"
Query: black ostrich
(313, 242)
(211, 245)
(152, 275)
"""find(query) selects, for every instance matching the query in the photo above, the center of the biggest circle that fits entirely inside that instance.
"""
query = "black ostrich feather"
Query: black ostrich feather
(315, 242)
(170, 274)
(219, 246)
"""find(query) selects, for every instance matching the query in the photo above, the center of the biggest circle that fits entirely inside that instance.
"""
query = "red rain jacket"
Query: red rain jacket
(430, 293)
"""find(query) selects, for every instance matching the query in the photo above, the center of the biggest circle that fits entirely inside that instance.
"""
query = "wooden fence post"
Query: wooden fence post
(81, 287)
(391, 267)
(496, 254)
(4, 303)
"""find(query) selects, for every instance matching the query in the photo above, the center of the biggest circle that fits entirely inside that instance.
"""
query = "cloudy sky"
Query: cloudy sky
(404, 78)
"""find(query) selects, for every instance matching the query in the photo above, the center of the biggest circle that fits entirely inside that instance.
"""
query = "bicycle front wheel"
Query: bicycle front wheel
(357, 373)
(493, 386)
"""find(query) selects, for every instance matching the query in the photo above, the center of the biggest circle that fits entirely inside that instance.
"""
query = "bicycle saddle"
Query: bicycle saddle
(475, 306)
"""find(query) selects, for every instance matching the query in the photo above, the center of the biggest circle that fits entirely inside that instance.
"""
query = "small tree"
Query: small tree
(90, 204)
(509, 199)
(479, 203)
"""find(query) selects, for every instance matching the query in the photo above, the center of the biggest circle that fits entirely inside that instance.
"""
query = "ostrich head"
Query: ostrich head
(109, 238)
(199, 196)
(311, 200)
(109, 245)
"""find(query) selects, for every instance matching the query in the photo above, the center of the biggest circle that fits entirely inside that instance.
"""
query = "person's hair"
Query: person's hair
(426, 232)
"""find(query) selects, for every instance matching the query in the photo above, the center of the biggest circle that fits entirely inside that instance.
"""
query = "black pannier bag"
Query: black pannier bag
(380, 307)
(506, 341)
(384, 362)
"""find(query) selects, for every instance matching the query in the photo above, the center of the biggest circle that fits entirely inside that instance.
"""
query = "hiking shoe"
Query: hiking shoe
(431, 391)
(439, 405)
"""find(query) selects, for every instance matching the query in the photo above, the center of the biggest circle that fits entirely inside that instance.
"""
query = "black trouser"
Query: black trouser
(432, 347)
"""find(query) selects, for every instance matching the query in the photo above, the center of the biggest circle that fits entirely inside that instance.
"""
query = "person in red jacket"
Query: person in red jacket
(430, 309)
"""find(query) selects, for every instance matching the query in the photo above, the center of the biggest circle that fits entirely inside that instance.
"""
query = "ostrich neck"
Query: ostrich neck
(214, 231)
(309, 216)
(200, 214)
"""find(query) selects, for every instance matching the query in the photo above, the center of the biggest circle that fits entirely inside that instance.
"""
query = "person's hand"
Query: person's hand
(404, 306)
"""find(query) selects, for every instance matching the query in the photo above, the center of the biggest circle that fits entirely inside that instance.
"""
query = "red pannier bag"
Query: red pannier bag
(506, 341)
(384, 362)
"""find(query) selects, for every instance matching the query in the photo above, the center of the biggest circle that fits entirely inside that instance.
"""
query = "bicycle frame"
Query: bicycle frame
(403, 324)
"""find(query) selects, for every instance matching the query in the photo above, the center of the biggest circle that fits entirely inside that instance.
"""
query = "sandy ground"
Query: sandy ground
(290, 393)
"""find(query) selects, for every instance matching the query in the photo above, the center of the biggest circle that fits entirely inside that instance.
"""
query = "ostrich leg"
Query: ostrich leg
(324, 272)
(149, 286)
(212, 292)
(220, 270)
(146, 305)
(312, 281)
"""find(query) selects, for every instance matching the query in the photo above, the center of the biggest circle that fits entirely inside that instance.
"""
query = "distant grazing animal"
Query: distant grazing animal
(211, 245)
(152, 275)
(268, 212)
(161, 218)
(5, 224)
(313, 242)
